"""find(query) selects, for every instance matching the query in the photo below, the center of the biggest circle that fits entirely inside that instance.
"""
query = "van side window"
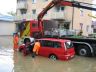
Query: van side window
(57, 45)
(69, 44)
(52, 44)
(46, 43)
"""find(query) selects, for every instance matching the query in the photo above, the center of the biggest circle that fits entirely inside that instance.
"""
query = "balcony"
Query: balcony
(22, 5)
(26, 17)
(57, 15)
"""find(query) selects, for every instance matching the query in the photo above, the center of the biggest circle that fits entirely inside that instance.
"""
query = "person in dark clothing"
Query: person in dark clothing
(28, 46)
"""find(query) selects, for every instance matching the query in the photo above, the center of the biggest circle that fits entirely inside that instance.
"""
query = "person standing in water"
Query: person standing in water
(15, 41)
(36, 49)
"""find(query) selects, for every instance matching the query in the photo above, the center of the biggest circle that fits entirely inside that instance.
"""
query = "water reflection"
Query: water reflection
(42, 64)
(6, 60)
(11, 61)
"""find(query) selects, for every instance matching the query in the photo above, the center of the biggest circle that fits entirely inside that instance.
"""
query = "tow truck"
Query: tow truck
(83, 46)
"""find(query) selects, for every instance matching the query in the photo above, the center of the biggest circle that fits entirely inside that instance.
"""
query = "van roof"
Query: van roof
(54, 39)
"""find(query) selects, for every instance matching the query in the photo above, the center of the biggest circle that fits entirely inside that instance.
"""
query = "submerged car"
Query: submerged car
(56, 48)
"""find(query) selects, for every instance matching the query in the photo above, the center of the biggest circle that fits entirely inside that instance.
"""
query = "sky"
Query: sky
(7, 6)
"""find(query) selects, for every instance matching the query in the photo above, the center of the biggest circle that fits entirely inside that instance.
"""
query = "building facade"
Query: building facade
(76, 17)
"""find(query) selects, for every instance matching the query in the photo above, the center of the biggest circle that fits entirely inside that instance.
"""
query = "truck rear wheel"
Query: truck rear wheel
(84, 50)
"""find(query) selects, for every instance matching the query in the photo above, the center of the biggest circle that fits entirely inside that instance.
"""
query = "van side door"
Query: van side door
(46, 47)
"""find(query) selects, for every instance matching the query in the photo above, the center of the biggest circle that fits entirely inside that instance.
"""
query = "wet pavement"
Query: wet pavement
(11, 61)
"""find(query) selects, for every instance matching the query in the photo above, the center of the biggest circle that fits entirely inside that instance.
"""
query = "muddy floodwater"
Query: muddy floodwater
(11, 61)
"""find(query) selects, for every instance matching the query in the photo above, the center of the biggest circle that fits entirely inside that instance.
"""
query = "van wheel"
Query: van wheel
(84, 50)
(53, 57)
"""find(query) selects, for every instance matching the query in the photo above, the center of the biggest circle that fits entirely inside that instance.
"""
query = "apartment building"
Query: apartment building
(29, 9)
(82, 20)
(77, 18)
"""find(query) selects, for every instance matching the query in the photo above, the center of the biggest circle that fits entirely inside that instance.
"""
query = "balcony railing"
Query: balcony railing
(22, 5)
(57, 15)
(25, 17)
(54, 15)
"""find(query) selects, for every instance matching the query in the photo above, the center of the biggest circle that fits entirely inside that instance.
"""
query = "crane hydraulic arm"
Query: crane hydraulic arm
(44, 11)
(63, 3)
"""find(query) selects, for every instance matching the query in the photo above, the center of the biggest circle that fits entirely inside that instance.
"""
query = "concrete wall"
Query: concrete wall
(7, 28)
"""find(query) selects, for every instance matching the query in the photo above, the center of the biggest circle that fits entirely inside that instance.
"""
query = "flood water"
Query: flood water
(11, 61)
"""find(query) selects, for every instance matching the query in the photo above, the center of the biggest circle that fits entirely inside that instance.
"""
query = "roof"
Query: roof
(6, 17)
(54, 39)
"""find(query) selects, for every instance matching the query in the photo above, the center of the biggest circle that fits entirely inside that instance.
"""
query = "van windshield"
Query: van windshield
(69, 44)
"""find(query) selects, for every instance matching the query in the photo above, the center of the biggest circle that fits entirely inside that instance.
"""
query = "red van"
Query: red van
(56, 48)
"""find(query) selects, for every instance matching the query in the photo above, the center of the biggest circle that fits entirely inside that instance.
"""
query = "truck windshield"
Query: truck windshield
(69, 44)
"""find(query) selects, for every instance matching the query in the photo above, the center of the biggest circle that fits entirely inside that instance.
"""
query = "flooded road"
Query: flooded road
(6, 54)
(6, 60)
(42, 64)
(11, 61)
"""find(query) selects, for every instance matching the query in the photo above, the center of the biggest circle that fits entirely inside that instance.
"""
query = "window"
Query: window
(33, 1)
(57, 44)
(69, 44)
(46, 43)
(51, 44)
(60, 8)
(45, 0)
(87, 28)
(81, 12)
(81, 25)
(23, 11)
(34, 11)
(57, 9)
(94, 30)
(21, 0)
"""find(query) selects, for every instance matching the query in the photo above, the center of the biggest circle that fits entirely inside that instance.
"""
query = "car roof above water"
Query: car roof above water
(54, 39)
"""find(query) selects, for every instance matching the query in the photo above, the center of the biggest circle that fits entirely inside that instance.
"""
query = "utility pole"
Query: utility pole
(72, 16)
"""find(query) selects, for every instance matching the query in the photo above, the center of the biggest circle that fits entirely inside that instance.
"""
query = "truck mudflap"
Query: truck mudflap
(87, 44)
